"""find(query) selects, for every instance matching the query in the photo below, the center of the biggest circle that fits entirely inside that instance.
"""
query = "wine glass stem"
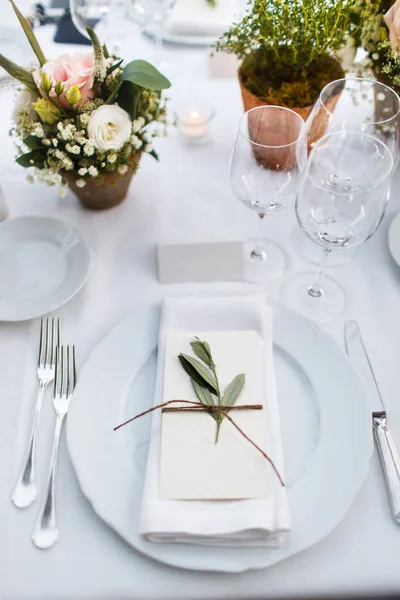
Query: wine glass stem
(159, 40)
(258, 252)
(315, 290)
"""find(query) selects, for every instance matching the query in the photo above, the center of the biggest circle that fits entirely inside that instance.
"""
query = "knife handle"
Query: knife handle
(390, 460)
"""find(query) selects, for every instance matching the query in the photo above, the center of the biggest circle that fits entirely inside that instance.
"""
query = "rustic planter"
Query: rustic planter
(251, 101)
(111, 192)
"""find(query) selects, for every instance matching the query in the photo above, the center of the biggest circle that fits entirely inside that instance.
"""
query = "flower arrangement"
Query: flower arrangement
(286, 48)
(378, 32)
(85, 118)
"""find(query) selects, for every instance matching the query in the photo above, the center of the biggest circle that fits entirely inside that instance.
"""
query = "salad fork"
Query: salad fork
(25, 491)
(46, 531)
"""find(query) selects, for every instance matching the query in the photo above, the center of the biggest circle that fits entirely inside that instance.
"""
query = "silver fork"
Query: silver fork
(46, 531)
(25, 488)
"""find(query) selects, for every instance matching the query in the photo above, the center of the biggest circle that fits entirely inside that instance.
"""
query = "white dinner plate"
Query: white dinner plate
(43, 264)
(326, 429)
(394, 238)
(182, 39)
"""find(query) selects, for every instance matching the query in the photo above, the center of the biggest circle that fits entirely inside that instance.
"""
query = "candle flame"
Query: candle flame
(194, 114)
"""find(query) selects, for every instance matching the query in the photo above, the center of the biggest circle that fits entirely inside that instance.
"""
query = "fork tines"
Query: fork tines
(49, 341)
(65, 379)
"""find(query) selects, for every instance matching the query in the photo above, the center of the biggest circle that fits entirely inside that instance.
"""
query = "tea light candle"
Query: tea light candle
(193, 120)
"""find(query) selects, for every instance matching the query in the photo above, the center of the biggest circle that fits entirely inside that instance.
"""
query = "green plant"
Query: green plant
(285, 39)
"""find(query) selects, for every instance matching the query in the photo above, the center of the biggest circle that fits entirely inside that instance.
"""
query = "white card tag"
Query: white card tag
(186, 263)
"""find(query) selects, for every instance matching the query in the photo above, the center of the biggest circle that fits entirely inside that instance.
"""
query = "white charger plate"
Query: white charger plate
(394, 238)
(326, 430)
(184, 39)
(43, 264)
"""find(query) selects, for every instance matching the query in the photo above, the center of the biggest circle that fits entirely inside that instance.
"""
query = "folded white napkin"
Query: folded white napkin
(197, 17)
(254, 522)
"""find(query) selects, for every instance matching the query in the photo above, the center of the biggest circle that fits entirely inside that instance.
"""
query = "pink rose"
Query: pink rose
(392, 20)
(71, 70)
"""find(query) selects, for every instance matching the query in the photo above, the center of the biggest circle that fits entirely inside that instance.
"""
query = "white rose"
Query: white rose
(109, 127)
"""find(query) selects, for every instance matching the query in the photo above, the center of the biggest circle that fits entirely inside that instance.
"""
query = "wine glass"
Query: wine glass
(88, 13)
(352, 104)
(264, 170)
(340, 203)
(159, 11)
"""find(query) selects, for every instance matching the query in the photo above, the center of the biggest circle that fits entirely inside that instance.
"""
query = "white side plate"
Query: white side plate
(394, 238)
(43, 264)
(326, 429)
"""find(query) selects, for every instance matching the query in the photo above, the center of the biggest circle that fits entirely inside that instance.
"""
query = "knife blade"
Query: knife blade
(356, 350)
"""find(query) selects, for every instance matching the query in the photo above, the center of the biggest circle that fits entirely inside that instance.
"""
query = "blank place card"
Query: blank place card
(200, 263)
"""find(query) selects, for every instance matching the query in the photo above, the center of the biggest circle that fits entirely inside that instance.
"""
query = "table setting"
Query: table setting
(190, 409)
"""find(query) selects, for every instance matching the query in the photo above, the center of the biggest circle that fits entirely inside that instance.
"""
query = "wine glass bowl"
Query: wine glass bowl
(341, 200)
(357, 104)
(88, 13)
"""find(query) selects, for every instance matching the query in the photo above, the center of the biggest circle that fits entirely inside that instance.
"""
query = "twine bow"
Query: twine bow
(201, 407)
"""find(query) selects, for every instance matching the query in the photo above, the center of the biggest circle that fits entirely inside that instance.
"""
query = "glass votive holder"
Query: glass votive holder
(193, 119)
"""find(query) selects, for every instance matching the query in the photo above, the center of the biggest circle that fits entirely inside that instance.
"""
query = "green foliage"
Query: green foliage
(22, 75)
(294, 33)
(372, 34)
(145, 75)
(30, 35)
(36, 158)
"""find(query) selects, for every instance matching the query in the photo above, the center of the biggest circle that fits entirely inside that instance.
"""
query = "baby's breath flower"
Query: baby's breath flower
(72, 149)
(80, 183)
(55, 142)
(84, 118)
(122, 169)
(136, 126)
(62, 191)
(93, 172)
(88, 149)
(82, 171)
(39, 131)
(112, 158)
(46, 142)
(148, 147)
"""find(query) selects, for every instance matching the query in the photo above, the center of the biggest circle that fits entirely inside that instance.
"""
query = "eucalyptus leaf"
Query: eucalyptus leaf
(33, 142)
(36, 158)
(29, 34)
(201, 352)
(144, 74)
(197, 371)
(233, 390)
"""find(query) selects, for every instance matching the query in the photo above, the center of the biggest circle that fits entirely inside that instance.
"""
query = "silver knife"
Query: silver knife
(390, 459)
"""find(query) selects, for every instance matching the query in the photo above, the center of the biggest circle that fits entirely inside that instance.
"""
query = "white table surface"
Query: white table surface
(184, 198)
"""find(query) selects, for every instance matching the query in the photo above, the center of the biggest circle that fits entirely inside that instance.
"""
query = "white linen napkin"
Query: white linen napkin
(253, 522)
(197, 17)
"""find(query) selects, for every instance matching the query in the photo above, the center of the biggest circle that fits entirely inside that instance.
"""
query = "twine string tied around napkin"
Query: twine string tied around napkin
(222, 410)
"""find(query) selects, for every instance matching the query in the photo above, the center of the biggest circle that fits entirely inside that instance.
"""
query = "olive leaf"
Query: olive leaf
(233, 390)
(203, 393)
(205, 381)
(197, 371)
(201, 352)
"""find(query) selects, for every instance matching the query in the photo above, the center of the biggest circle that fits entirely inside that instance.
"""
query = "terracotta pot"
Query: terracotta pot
(111, 192)
(252, 101)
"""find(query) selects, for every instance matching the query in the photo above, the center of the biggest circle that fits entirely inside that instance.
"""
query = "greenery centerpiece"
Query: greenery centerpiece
(378, 32)
(84, 120)
(286, 50)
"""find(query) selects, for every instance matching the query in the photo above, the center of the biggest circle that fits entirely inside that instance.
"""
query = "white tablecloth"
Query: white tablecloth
(184, 198)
